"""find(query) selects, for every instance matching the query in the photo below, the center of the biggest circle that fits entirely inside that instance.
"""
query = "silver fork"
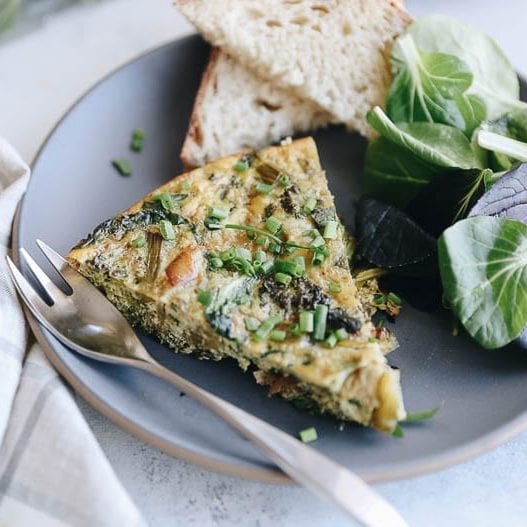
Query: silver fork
(88, 323)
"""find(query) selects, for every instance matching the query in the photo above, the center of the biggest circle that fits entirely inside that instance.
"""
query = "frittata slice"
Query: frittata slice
(246, 258)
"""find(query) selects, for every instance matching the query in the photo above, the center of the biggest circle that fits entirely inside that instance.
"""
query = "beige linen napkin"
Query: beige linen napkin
(52, 470)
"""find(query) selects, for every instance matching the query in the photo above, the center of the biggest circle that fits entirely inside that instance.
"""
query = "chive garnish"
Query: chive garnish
(251, 324)
(185, 185)
(228, 254)
(240, 166)
(204, 297)
(264, 188)
(262, 241)
(242, 252)
(341, 334)
(273, 225)
(379, 299)
(213, 224)
(260, 256)
(165, 199)
(310, 204)
(317, 242)
(331, 341)
(139, 242)
(283, 278)
(137, 140)
(306, 321)
(283, 180)
(122, 166)
(217, 213)
(278, 335)
(167, 230)
(308, 435)
(321, 315)
(275, 248)
(334, 287)
(267, 267)
(330, 230)
(250, 228)
(398, 431)
(394, 299)
(290, 267)
(266, 327)
(215, 263)
(295, 330)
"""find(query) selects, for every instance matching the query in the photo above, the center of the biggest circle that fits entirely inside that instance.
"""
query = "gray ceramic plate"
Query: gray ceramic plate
(73, 188)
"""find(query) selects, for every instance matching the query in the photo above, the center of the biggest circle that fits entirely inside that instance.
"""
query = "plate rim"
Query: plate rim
(420, 466)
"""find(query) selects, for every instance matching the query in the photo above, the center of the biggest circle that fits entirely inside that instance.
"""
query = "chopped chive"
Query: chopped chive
(398, 431)
(139, 242)
(266, 327)
(251, 324)
(228, 254)
(244, 253)
(240, 166)
(331, 341)
(306, 321)
(251, 235)
(275, 248)
(260, 256)
(317, 242)
(289, 249)
(138, 133)
(167, 230)
(165, 199)
(263, 241)
(312, 233)
(330, 230)
(318, 258)
(394, 299)
(264, 188)
(321, 315)
(213, 224)
(122, 166)
(422, 415)
(300, 265)
(185, 185)
(308, 435)
(283, 278)
(215, 262)
(283, 180)
(341, 334)
(217, 213)
(249, 228)
(267, 267)
(373, 340)
(379, 299)
(288, 267)
(295, 330)
(310, 204)
(137, 141)
(273, 225)
(204, 297)
(278, 335)
(334, 287)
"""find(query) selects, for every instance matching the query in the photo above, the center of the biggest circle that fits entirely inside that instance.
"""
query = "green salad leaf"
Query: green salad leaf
(483, 266)
(427, 85)
(494, 83)
(436, 144)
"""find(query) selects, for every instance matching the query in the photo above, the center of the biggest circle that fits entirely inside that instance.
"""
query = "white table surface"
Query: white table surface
(41, 75)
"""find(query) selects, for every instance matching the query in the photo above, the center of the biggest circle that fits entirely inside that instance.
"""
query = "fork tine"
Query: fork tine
(71, 276)
(47, 284)
(26, 291)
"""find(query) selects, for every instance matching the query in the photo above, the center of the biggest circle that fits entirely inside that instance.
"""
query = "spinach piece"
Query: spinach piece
(386, 237)
(151, 214)
(494, 83)
(224, 300)
(427, 85)
(393, 174)
(483, 266)
(436, 144)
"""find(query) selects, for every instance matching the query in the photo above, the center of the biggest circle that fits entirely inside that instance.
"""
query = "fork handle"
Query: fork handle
(303, 463)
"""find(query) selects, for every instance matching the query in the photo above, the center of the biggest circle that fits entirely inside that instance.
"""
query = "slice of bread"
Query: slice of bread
(334, 53)
(235, 110)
